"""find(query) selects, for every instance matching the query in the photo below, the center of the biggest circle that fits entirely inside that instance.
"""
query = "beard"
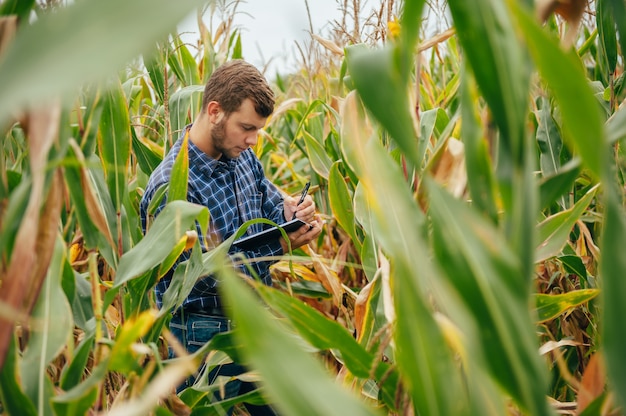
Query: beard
(218, 138)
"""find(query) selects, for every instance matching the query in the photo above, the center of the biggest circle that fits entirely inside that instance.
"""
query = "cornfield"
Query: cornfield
(470, 174)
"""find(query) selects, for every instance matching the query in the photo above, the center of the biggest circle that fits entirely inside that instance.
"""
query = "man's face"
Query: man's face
(238, 131)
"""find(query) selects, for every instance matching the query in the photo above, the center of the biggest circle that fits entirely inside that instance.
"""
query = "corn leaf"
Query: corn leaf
(612, 270)
(114, 142)
(78, 400)
(486, 275)
(607, 32)
(554, 231)
(123, 356)
(341, 203)
(54, 314)
(184, 106)
(320, 162)
(14, 401)
(281, 362)
(564, 75)
(479, 168)
(397, 223)
(551, 306)
(51, 57)
(499, 65)
(384, 90)
(166, 231)
(179, 179)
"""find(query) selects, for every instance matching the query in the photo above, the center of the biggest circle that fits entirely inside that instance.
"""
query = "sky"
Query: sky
(270, 28)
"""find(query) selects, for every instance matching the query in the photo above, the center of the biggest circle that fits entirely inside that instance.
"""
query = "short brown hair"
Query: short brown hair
(234, 81)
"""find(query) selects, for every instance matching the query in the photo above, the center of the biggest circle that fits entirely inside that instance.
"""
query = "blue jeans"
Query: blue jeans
(193, 330)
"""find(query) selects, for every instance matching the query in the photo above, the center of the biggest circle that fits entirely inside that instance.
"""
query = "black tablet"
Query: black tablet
(265, 236)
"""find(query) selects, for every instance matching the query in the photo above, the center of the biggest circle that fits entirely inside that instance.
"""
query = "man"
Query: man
(226, 176)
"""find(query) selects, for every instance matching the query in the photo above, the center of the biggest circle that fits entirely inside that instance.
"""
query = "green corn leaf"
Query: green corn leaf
(82, 306)
(21, 8)
(157, 199)
(555, 186)
(551, 306)
(93, 204)
(433, 382)
(184, 106)
(549, 140)
(554, 231)
(326, 334)
(175, 65)
(114, 142)
(499, 65)
(156, 72)
(574, 264)
(612, 271)
(91, 120)
(479, 168)
(49, 338)
(79, 400)
(179, 179)
(171, 258)
(607, 32)
(186, 63)
(275, 352)
(147, 159)
(74, 371)
(616, 126)
(13, 215)
(168, 227)
(384, 90)
(618, 12)
(486, 275)
(320, 162)
(14, 401)
(237, 48)
(190, 66)
(51, 57)
(187, 273)
(564, 75)
(430, 121)
(341, 203)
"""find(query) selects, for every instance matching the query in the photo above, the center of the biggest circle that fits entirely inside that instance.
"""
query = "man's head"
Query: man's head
(236, 104)
(233, 82)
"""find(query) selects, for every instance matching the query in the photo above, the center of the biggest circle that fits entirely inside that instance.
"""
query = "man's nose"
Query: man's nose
(252, 138)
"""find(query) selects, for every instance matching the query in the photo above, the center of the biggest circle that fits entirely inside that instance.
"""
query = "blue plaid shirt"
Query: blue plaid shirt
(234, 191)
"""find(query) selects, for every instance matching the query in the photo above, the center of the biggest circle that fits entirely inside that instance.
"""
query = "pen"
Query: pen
(304, 192)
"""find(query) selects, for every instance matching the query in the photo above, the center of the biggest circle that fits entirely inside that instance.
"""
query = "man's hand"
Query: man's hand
(304, 234)
(305, 211)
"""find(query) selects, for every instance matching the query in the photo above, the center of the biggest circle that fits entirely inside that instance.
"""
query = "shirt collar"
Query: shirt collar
(205, 162)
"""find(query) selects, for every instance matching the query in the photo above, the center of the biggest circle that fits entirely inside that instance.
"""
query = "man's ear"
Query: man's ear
(215, 112)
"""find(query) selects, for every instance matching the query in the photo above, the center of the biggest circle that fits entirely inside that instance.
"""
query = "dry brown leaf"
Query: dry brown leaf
(360, 307)
(19, 282)
(592, 383)
(570, 10)
(442, 37)
(329, 45)
(46, 237)
(328, 278)
(8, 26)
(450, 170)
